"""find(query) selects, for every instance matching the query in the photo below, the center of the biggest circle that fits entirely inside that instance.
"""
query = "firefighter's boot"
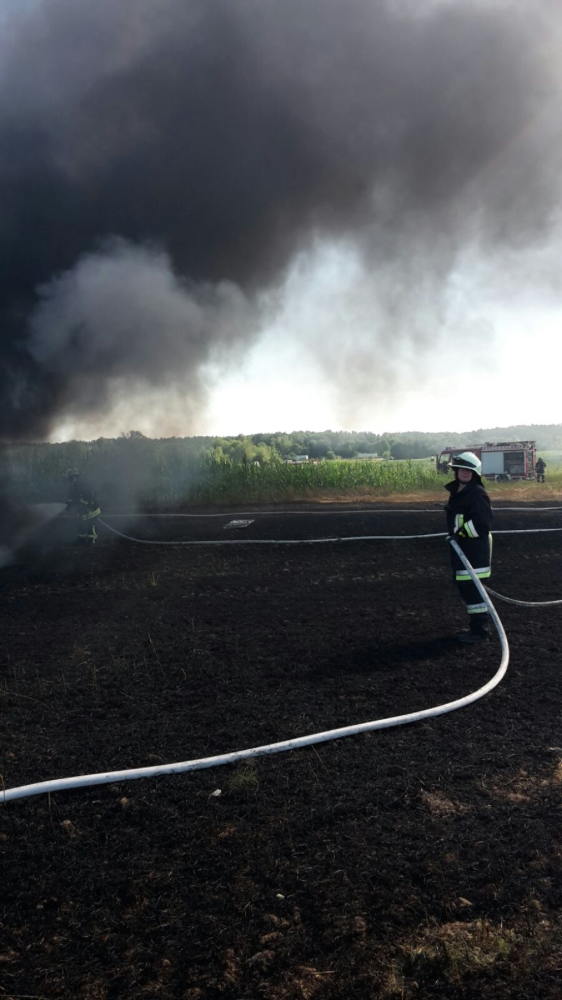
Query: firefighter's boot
(478, 631)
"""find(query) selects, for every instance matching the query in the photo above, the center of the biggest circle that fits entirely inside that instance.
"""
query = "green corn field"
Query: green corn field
(279, 481)
(138, 471)
(151, 472)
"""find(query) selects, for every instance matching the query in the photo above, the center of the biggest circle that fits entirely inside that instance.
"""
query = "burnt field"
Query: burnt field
(418, 861)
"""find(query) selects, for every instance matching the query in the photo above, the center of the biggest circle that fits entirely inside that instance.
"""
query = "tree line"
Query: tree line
(349, 444)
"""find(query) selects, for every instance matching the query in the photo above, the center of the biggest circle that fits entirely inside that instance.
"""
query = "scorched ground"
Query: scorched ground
(418, 861)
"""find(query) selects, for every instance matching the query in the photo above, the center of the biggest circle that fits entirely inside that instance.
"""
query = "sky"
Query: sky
(228, 218)
(498, 363)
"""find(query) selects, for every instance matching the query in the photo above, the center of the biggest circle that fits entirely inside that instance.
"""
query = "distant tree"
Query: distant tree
(362, 444)
(283, 443)
(318, 447)
(401, 449)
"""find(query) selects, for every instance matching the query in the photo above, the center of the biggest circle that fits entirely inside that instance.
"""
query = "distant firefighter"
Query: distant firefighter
(539, 469)
(81, 496)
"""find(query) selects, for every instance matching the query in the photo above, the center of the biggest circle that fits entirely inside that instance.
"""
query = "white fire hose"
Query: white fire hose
(111, 777)
(268, 541)
(344, 538)
(322, 513)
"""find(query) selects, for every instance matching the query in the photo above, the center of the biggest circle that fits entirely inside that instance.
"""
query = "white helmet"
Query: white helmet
(466, 460)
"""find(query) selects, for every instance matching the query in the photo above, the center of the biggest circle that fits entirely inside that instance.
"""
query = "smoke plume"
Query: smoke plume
(163, 165)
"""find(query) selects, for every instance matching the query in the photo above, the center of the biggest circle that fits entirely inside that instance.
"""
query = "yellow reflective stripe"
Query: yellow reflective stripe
(482, 573)
(471, 530)
(92, 513)
(459, 521)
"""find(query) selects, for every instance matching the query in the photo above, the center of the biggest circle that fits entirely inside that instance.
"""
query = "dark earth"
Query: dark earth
(419, 861)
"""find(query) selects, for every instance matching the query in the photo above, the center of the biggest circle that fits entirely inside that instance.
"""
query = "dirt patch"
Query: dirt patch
(417, 861)
(520, 492)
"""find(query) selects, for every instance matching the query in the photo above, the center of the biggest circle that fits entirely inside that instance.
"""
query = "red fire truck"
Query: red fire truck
(503, 460)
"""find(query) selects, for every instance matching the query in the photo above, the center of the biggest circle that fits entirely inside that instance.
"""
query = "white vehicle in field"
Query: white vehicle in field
(501, 461)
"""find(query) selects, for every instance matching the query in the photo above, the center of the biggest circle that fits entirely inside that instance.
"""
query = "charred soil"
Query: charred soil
(421, 861)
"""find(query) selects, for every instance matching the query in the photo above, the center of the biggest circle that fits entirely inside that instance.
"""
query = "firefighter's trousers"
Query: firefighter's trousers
(479, 554)
(86, 525)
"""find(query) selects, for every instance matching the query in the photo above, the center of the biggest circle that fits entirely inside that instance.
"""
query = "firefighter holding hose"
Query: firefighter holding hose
(469, 521)
(82, 497)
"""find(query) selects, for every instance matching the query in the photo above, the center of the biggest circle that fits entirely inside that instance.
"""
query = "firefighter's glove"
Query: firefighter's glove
(458, 536)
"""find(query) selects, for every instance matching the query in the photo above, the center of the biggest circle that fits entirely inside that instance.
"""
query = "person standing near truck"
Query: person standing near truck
(469, 522)
(539, 469)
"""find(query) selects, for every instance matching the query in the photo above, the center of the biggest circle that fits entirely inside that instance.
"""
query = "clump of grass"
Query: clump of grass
(457, 951)
(244, 780)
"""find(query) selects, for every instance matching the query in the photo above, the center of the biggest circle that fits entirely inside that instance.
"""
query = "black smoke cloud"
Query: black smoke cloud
(162, 164)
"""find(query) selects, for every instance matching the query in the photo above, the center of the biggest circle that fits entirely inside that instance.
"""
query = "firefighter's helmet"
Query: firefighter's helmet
(72, 474)
(466, 460)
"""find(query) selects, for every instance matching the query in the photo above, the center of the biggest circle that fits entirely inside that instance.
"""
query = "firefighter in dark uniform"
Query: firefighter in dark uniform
(469, 521)
(539, 469)
(88, 510)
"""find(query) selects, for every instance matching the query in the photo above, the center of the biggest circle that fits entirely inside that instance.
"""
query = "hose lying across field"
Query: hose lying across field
(354, 510)
(344, 538)
(82, 781)
(269, 541)
(103, 778)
